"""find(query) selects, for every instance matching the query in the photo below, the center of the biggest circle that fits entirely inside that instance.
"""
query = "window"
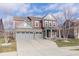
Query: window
(54, 23)
(50, 23)
(46, 23)
(36, 23)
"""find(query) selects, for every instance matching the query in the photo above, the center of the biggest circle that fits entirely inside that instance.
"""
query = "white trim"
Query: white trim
(36, 22)
(46, 24)
(50, 22)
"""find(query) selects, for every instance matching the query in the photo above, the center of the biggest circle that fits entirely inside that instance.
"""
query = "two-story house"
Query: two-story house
(50, 26)
(35, 27)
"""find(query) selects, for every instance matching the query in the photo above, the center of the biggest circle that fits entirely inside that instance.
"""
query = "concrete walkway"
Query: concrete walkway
(41, 48)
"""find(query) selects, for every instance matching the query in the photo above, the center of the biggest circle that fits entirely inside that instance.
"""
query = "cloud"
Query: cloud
(13, 9)
(35, 9)
(8, 22)
(7, 8)
(51, 6)
(73, 9)
(20, 9)
(23, 9)
(29, 10)
(60, 7)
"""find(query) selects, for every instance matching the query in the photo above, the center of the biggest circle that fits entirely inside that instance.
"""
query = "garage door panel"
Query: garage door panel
(38, 35)
(24, 36)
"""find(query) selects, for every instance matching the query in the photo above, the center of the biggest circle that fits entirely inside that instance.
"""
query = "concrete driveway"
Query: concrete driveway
(40, 47)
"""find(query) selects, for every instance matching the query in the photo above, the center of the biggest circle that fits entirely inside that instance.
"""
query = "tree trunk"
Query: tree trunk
(5, 38)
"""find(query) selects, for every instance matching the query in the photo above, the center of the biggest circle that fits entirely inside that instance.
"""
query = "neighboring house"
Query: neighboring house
(36, 27)
(71, 28)
(1, 28)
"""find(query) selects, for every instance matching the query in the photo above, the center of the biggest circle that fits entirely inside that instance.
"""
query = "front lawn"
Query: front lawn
(75, 49)
(1, 40)
(71, 42)
(10, 48)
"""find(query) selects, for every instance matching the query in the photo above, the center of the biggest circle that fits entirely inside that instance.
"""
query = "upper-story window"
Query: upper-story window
(36, 23)
(46, 23)
(54, 24)
(50, 23)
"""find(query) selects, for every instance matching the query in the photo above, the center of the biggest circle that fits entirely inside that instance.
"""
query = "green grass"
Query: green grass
(2, 40)
(10, 48)
(72, 42)
(75, 49)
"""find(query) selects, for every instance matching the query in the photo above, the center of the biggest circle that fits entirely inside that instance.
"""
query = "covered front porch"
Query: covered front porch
(50, 33)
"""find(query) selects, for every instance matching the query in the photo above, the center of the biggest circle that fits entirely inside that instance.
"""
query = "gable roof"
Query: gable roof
(49, 17)
(35, 18)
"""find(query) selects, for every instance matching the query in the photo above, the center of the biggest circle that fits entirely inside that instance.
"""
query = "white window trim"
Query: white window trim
(50, 22)
(54, 24)
(36, 22)
(45, 23)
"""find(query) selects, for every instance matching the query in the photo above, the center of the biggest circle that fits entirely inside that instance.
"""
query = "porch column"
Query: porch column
(51, 33)
(59, 34)
(45, 33)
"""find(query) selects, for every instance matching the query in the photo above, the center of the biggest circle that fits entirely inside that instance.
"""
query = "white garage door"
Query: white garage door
(24, 35)
(28, 35)
(38, 35)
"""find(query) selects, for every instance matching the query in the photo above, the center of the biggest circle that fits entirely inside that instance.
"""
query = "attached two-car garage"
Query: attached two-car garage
(28, 35)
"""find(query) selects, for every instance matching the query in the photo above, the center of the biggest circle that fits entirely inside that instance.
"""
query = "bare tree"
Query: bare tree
(59, 25)
(6, 32)
(67, 13)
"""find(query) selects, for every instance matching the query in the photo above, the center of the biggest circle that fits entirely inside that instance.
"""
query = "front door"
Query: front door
(48, 33)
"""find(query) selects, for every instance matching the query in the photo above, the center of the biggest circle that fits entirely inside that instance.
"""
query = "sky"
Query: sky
(8, 10)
